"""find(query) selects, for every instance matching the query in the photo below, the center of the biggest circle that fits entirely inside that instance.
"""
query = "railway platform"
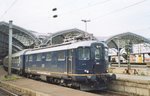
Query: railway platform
(125, 84)
(30, 87)
(134, 85)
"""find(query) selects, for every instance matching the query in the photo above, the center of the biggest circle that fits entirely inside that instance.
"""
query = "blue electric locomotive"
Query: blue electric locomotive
(81, 64)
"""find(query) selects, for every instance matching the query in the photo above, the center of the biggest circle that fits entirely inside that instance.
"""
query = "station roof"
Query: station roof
(66, 36)
(124, 38)
(22, 39)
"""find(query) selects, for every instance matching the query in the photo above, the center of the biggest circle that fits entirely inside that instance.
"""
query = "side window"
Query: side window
(30, 58)
(83, 53)
(61, 56)
(106, 54)
(38, 57)
(26, 58)
(48, 57)
(70, 55)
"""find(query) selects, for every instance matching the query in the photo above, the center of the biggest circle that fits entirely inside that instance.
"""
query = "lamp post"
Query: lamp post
(118, 50)
(85, 21)
(10, 47)
(128, 50)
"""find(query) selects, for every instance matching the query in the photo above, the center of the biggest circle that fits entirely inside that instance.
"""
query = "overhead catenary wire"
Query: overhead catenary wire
(13, 3)
(85, 7)
(118, 10)
(147, 28)
(115, 11)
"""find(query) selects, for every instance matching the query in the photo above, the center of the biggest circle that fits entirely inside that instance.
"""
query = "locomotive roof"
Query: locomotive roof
(64, 47)
(18, 53)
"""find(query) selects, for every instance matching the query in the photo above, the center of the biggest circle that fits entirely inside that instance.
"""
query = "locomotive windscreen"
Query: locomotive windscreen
(100, 54)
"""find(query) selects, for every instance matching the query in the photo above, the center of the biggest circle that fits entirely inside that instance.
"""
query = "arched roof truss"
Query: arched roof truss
(22, 39)
(124, 38)
(67, 36)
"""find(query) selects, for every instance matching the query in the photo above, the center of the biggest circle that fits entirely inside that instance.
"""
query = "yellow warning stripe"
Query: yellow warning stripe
(58, 73)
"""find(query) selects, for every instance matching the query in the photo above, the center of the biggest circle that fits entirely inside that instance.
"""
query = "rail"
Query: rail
(8, 92)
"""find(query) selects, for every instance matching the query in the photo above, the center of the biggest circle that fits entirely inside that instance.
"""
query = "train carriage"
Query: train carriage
(17, 62)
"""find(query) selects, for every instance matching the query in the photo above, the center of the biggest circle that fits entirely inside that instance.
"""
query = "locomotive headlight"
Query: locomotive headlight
(86, 71)
(107, 70)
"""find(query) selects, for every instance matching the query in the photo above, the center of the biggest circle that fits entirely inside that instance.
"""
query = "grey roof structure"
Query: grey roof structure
(22, 39)
(67, 35)
(124, 38)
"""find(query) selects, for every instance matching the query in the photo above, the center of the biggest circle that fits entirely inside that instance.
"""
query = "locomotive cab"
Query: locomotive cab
(92, 60)
(91, 67)
(99, 57)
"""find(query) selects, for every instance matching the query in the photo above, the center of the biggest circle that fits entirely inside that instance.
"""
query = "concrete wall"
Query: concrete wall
(139, 71)
(133, 88)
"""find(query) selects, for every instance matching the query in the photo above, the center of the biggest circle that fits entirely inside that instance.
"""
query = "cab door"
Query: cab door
(98, 58)
(69, 61)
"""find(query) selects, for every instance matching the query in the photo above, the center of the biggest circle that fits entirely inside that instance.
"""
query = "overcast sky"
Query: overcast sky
(108, 17)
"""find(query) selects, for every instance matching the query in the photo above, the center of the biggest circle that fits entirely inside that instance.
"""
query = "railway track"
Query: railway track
(4, 92)
(109, 93)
